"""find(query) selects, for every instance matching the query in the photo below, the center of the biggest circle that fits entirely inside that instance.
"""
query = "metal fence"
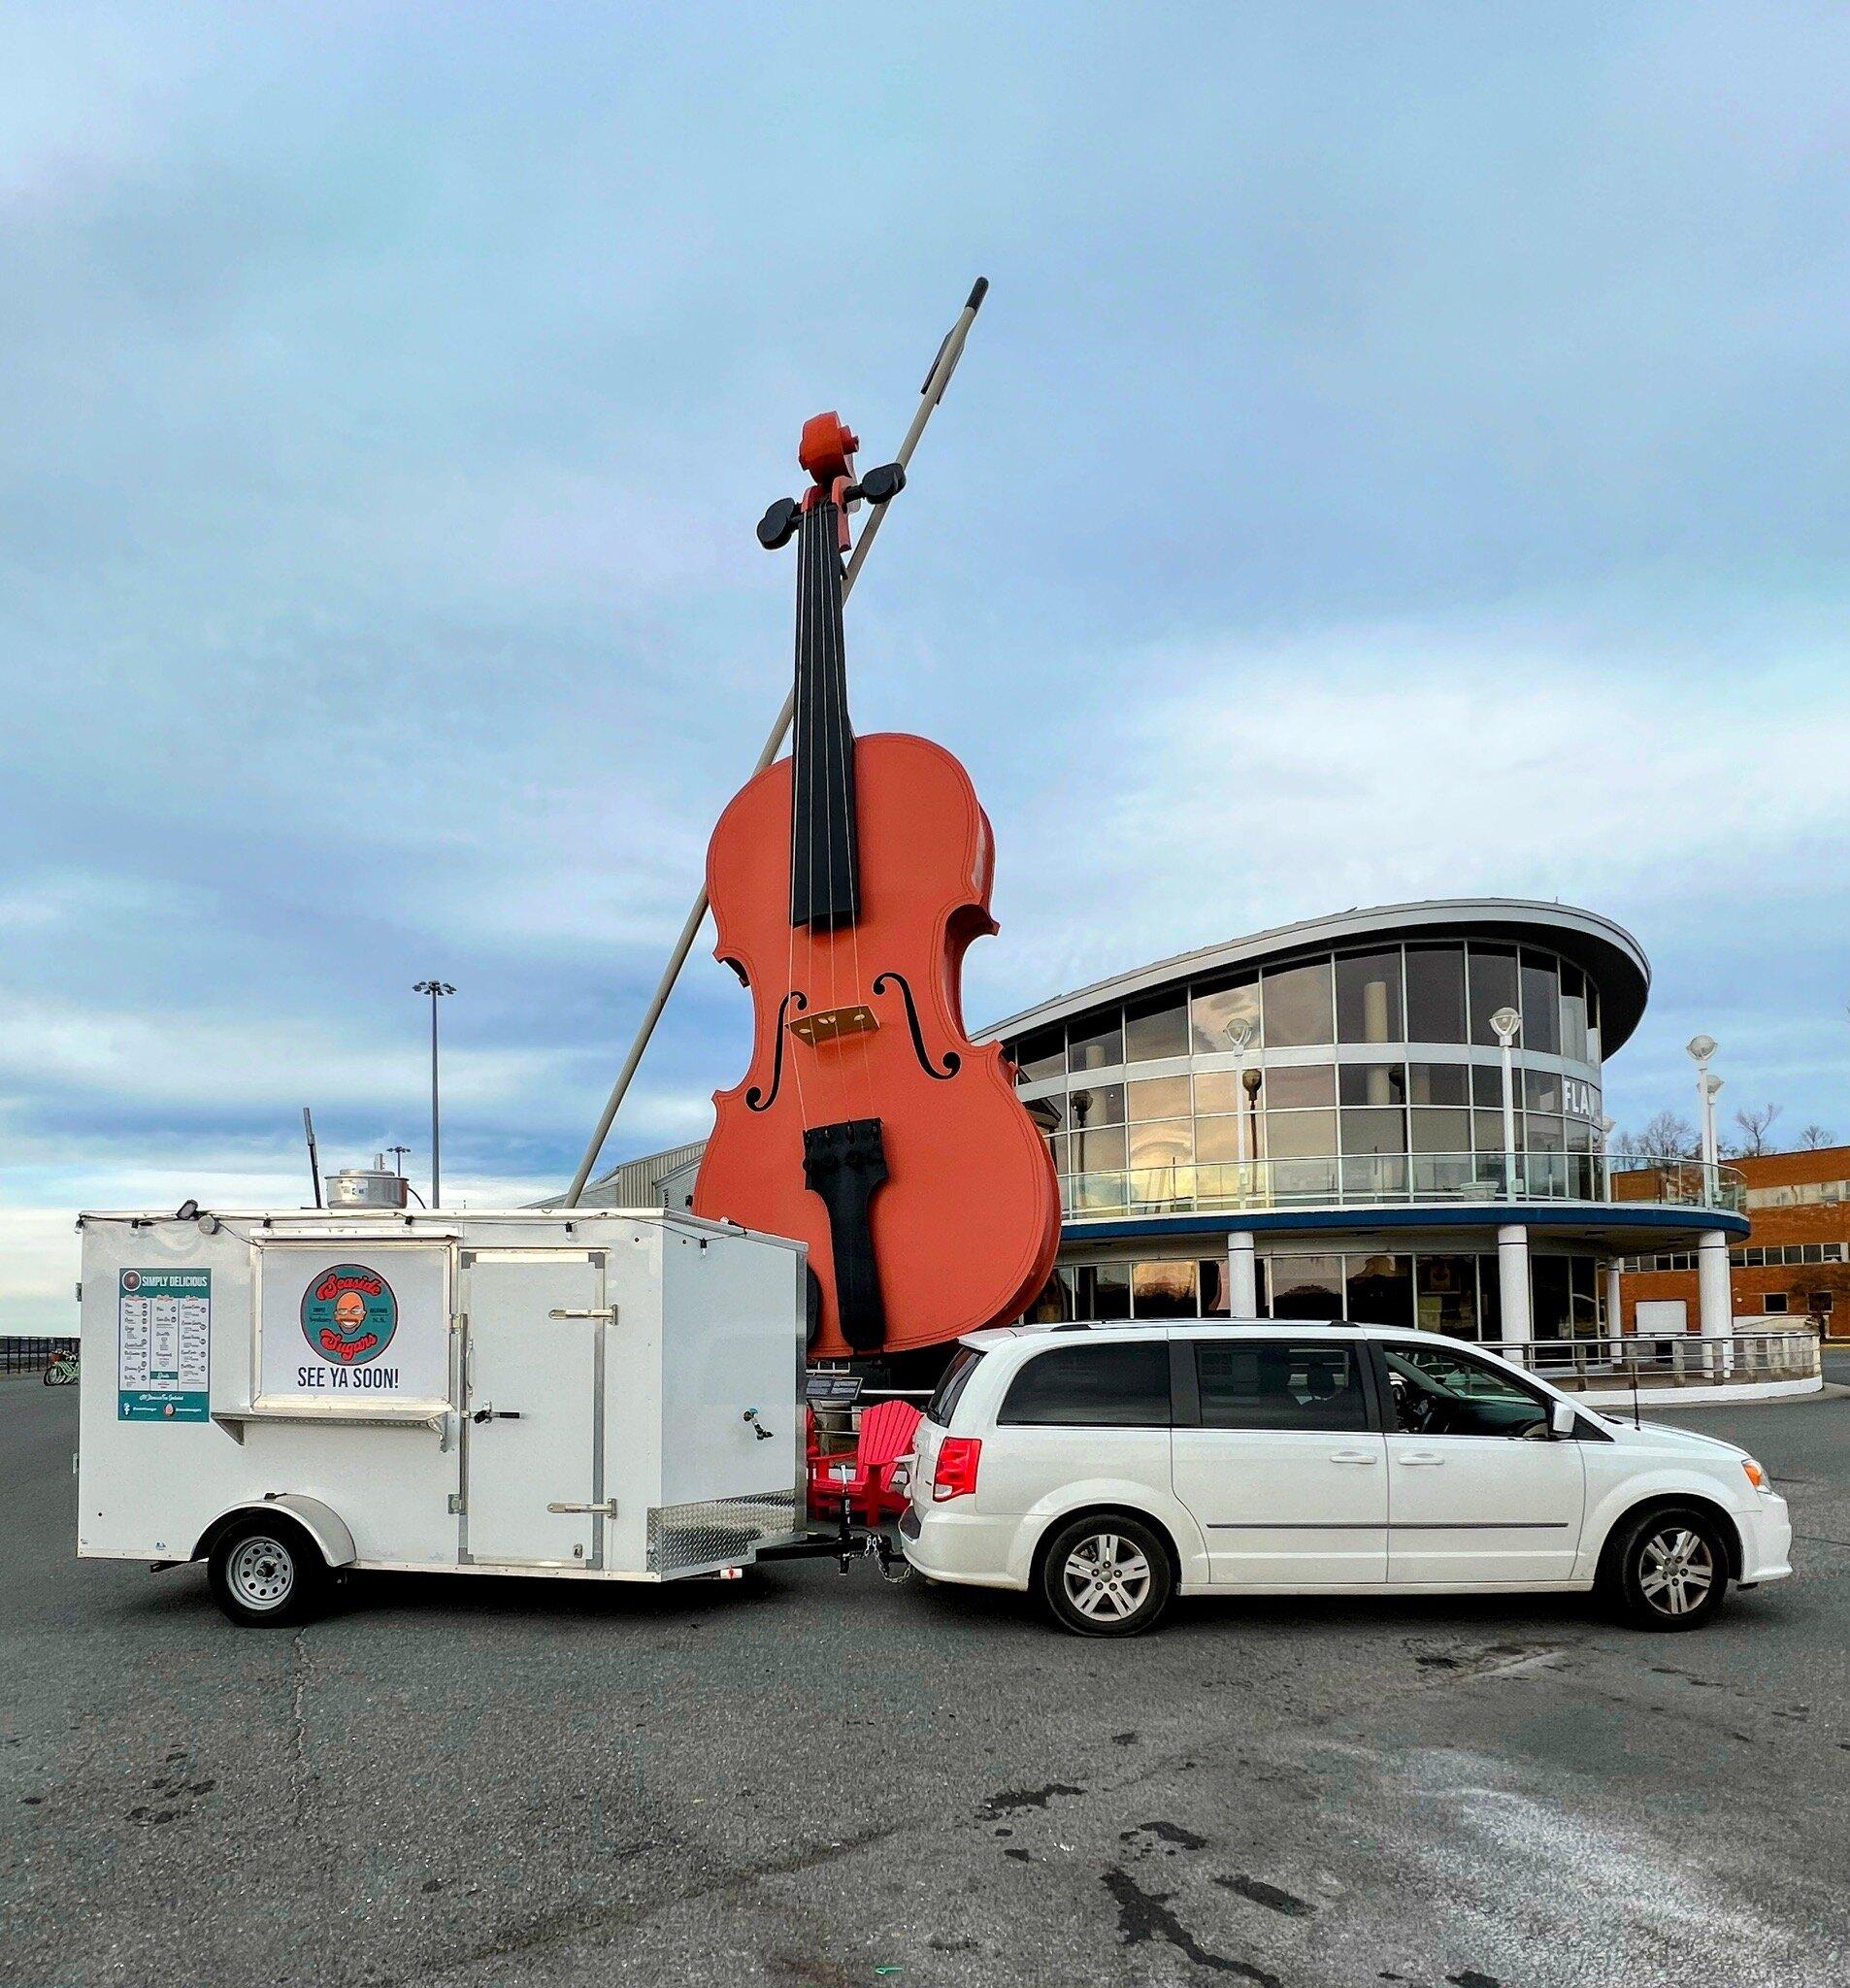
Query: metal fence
(1670, 1359)
(29, 1355)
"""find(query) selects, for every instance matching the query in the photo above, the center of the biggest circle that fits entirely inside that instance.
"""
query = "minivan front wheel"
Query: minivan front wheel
(1671, 1570)
(1106, 1576)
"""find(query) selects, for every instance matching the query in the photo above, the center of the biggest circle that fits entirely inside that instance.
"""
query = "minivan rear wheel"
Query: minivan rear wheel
(1671, 1571)
(1105, 1576)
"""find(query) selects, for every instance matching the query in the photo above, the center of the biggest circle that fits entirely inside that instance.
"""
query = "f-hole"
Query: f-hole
(953, 1062)
(755, 1099)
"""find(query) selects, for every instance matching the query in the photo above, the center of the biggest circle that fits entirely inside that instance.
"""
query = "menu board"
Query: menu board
(163, 1346)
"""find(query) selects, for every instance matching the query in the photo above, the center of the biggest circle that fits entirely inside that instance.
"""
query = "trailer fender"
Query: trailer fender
(321, 1522)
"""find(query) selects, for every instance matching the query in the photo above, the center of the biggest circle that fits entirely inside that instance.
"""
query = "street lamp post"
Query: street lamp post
(1607, 1127)
(1240, 1035)
(1507, 1024)
(1702, 1048)
(436, 989)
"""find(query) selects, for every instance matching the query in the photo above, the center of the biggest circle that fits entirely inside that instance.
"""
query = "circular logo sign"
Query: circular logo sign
(131, 1280)
(349, 1313)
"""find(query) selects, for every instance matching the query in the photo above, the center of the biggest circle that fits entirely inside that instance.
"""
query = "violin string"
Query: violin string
(840, 673)
(798, 828)
(826, 551)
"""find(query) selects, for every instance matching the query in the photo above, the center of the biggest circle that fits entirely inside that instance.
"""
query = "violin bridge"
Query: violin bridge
(831, 1024)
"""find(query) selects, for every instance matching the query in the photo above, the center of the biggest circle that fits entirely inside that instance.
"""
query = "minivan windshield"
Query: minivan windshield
(944, 1401)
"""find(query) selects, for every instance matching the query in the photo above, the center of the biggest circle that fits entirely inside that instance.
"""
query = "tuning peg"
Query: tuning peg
(778, 523)
(882, 486)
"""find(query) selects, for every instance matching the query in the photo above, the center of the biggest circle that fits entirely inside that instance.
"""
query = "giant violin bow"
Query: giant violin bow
(930, 394)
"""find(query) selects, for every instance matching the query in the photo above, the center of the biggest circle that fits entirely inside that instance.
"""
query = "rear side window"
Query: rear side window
(944, 1401)
(1092, 1387)
(1280, 1384)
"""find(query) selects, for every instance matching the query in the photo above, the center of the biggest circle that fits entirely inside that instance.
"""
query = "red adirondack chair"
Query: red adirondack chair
(866, 1480)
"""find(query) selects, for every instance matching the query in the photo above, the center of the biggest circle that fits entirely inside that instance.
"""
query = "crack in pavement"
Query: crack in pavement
(299, 1777)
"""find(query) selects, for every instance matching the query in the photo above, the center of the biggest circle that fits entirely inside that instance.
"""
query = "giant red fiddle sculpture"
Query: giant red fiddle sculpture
(846, 883)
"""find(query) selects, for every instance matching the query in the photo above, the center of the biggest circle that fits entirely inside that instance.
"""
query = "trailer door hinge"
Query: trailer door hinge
(455, 1502)
(607, 1509)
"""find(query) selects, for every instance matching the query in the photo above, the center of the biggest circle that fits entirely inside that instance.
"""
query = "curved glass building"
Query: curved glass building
(1322, 1121)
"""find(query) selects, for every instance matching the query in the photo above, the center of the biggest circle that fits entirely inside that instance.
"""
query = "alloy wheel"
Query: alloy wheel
(1677, 1570)
(1106, 1577)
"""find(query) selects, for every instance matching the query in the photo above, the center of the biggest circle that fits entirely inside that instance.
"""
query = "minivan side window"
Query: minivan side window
(956, 1377)
(1092, 1387)
(1439, 1392)
(1280, 1384)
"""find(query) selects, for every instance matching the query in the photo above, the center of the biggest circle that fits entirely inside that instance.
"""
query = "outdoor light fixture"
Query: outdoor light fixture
(1507, 1025)
(1239, 1033)
(436, 989)
(1703, 1047)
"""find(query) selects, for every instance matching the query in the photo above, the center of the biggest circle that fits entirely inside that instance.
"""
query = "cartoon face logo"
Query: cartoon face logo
(349, 1314)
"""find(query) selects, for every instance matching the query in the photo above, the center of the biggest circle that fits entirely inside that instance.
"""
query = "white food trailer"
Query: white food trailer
(603, 1396)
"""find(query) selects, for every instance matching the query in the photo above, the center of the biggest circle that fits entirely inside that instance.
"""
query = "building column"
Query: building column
(1242, 1276)
(1715, 1301)
(1512, 1285)
(1615, 1303)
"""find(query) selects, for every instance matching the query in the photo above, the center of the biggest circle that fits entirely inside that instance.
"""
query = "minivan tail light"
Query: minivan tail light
(956, 1473)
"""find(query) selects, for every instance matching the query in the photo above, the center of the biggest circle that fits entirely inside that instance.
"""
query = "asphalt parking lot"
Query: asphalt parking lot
(801, 1778)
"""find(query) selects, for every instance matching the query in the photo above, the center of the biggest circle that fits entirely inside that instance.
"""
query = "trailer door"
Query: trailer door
(534, 1469)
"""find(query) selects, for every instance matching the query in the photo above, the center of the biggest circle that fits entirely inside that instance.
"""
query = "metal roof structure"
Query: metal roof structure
(1603, 950)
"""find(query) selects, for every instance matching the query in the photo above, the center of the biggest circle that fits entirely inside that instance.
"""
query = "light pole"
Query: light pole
(1702, 1048)
(1240, 1035)
(1607, 1127)
(436, 989)
(1507, 1025)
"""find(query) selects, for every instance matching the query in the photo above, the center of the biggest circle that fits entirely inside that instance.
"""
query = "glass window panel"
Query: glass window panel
(1275, 1384)
(1098, 1148)
(1163, 1143)
(1098, 1104)
(1098, 1387)
(1368, 997)
(1579, 1135)
(1048, 1113)
(1155, 1029)
(1163, 1289)
(1541, 1002)
(1306, 1286)
(1546, 1133)
(1441, 1131)
(1054, 1305)
(1381, 1290)
(1300, 1134)
(1490, 1298)
(1058, 1142)
(1220, 1091)
(1301, 1182)
(1041, 1054)
(1445, 1295)
(1214, 1008)
(1486, 1085)
(1212, 1282)
(1299, 1006)
(1493, 983)
(1095, 1044)
(1574, 1013)
(1289, 1086)
(1102, 1290)
(1434, 993)
(1438, 1083)
(1158, 1097)
(1217, 1140)
(1487, 1128)
(1373, 1132)
(1551, 1296)
(1372, 1083)
(1540, 1090)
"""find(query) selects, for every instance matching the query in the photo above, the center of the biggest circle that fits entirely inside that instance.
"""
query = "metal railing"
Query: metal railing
(1378, 1179)
(29, 1355)
(1598, 1365)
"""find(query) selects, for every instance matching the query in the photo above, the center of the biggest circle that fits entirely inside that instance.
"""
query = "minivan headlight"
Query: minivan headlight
(1756, 1477)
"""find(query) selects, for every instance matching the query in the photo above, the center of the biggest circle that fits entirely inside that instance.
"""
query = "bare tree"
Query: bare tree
(1815, 1135)
(1664, 1135)
(1755, 1129)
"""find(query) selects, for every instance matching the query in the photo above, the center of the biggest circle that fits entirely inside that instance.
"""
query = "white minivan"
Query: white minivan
(1111, 1467)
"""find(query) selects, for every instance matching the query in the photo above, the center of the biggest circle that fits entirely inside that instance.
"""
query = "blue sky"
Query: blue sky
(1403, 454)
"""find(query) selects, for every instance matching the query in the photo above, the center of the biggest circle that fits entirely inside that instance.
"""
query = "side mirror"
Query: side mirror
(1561, 1418)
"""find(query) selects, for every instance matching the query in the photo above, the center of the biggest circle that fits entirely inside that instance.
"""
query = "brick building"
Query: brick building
(1794, 1264)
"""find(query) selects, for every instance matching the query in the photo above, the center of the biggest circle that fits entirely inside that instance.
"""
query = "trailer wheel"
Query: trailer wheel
(264, 1570)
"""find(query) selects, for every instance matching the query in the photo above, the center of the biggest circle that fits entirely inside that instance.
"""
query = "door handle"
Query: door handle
(1416, 1457)
(496, 1415)
(1352, 1456)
